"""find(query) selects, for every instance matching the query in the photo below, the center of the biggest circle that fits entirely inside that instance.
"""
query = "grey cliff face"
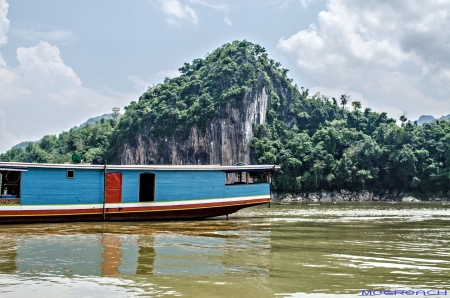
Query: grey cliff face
(225, 141)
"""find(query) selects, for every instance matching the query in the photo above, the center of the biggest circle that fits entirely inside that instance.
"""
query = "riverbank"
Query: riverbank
(355, 196)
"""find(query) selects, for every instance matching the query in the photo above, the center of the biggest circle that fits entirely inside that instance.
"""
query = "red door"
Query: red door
(113, 188)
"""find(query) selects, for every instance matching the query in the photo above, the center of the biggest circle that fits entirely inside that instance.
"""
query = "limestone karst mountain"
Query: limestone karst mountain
(206, 115)
(429, 119)
(238, 105)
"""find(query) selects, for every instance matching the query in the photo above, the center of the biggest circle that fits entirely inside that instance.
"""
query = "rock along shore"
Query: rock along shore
(352, 196)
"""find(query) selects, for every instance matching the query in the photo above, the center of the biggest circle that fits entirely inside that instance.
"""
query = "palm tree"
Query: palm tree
(403, 118)
(356, 106)
(344, 100)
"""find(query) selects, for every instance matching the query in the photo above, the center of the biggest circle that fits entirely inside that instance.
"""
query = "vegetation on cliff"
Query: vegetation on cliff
(321, 143)
(200, 93)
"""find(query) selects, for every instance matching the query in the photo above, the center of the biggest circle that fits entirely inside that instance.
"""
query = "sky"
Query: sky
(62, 62)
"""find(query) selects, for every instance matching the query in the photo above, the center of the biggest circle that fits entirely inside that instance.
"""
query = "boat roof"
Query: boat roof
(230, 169)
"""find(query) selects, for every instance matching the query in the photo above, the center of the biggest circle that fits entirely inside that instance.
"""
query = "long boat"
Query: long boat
(32, 192)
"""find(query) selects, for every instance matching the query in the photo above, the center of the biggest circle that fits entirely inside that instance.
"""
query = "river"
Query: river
(295, 250)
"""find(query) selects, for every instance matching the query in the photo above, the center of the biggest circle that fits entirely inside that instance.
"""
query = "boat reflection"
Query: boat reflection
(111, 255)
(116, 249)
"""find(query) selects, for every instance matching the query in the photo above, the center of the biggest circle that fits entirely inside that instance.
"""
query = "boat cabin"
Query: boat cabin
(49, 184)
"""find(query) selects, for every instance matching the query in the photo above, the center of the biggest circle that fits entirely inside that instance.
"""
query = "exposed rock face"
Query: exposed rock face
(346, 196)
(326, 196)
(363, 196)
(332, 196)
(410, 199)
(225, 141)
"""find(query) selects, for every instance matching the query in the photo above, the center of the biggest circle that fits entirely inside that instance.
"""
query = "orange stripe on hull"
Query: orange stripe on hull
(180, 211)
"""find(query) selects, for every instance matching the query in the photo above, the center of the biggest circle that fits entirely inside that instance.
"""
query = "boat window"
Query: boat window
(234, 178)
(70, 174)
(147, 187)
(10, 186)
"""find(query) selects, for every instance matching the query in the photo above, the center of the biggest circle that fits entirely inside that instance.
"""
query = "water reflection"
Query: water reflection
(111, 255)
(124, 249)
(286, 251)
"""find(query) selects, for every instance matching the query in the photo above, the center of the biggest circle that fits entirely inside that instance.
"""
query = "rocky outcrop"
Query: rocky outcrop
(410, 199)
(358, 196)
(344, 196)
(223, 141)
(363, 196)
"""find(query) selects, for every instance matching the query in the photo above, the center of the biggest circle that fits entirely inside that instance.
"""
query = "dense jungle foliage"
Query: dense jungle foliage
(354, 150)
(320, 143)
(90, 141)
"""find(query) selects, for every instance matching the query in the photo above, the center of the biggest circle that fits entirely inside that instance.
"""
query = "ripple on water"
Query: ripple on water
(333, 250)
(341, 213)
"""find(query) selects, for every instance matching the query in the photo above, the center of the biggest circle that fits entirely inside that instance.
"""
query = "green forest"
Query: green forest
(320, 142)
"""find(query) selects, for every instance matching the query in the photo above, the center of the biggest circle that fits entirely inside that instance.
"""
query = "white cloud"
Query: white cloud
(4, 22)
(305, 3)
(175, 9)
(143, 84)
(36, 35)
(173, 22)
(212, 4)
(393, 53)
(227, 21)
(139, 83)
(5, 135)
(10, 87)
(336, 93)
(285, 3)
(280, 3)
(168, 73)
(178, 12)
(44, 60)
(43, 95)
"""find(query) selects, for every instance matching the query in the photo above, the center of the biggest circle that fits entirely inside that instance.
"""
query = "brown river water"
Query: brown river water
(295, 250)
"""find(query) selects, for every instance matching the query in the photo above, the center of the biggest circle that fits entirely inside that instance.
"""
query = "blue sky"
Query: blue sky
(62, 62)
